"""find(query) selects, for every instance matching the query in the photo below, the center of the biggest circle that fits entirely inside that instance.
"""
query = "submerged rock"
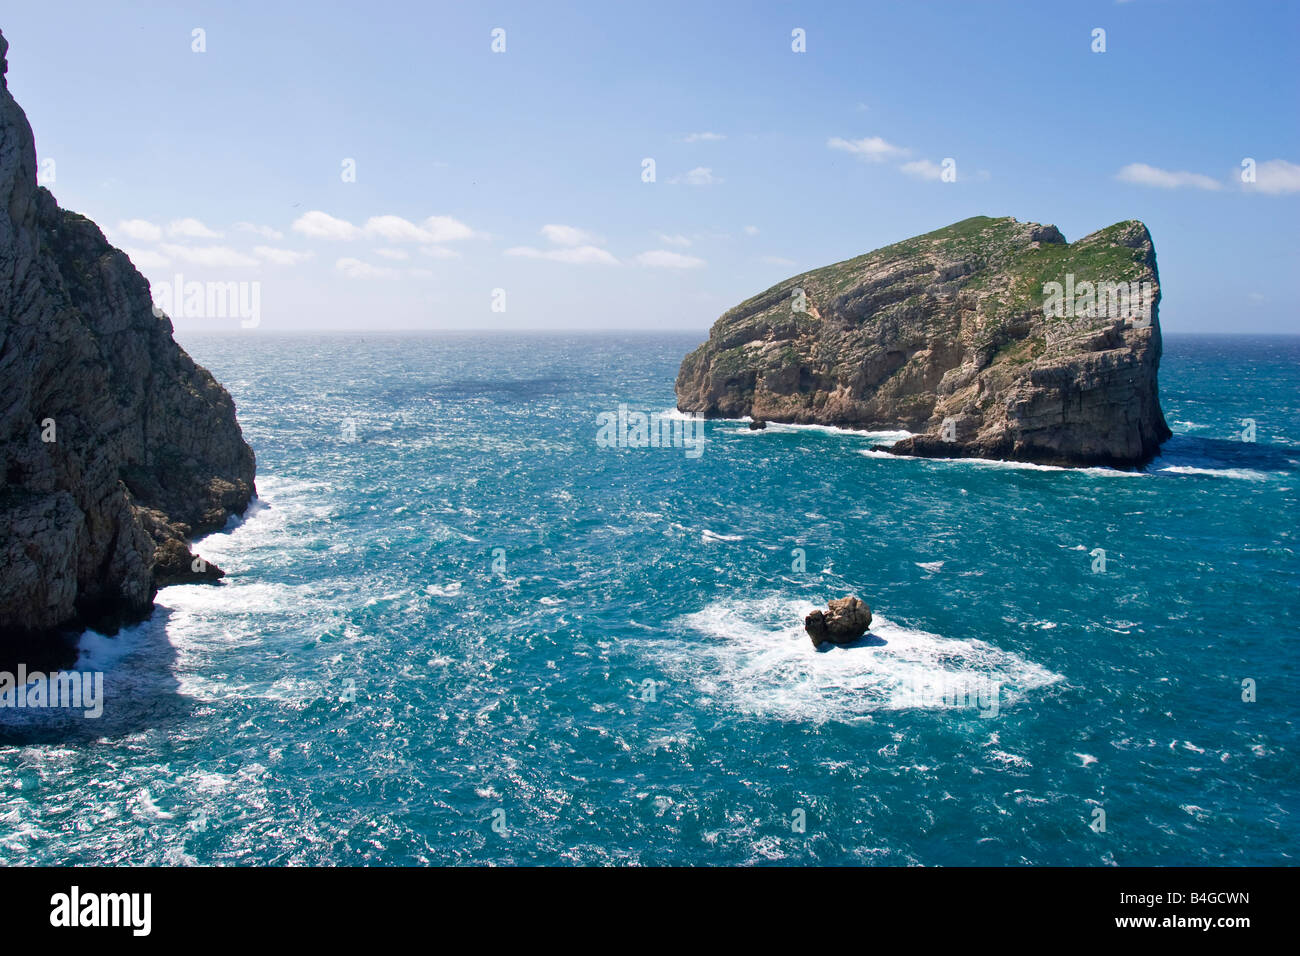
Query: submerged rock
(845, 619)
(961, 336)
(116, 446)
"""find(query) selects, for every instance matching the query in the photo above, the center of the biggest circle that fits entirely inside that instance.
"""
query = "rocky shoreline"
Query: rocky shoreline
(117, 448)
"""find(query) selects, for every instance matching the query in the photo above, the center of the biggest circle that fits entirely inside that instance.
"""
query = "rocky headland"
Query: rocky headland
(117, 448)
(962, 337)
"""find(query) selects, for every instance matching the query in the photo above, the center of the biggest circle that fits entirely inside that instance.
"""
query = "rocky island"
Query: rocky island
(117, 448)
(989, 338)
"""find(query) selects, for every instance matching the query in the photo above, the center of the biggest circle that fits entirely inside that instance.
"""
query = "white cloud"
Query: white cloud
(922, 169)
(266, 232)
(447, 229)
(439, 252)
(704, 137)
(574, 255)
(699, 176)
(567, 235)
(321, 225)
(190, 229)
(356, 269)
(213, 257)
(139, 229)
(578, 248)
(281, 257)
(778, 261)
(393, 253)
(663, 259)
(871, 148)
(147, 259)
(676, 240)
(751, 230)
(1144, 175)
(1275, 177)
(394, 229)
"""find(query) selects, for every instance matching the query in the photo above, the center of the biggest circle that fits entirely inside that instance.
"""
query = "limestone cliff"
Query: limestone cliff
(952, 336)
(116, 447)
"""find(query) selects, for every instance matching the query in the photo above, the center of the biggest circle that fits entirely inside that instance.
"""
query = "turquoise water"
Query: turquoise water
(627, 681)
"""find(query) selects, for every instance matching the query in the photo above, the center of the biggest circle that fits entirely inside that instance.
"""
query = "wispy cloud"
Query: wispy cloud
(213, 257)
(434, 229)
(190, 229)
(664, 259)
(1275, 177)
(266, 232)
(281, 257)
(356, 269)
(439, 252)
(321, 225)
(871, 148)
(573, 255)
(394, 229)
(922, 169)
(1143, 175)
(140, 229)
(567, 235)
(674, 240)
(704, 137)
(577, 247)
(699, 176)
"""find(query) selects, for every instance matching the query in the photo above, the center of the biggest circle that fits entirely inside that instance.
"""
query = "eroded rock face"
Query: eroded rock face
(116, 447)
(949, 335)
(845, 619)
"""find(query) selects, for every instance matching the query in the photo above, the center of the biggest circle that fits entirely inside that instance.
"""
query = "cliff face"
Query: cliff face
(115, 447)
(952, 336)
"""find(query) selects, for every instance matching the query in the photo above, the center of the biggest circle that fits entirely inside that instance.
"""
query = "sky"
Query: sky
(380, 166)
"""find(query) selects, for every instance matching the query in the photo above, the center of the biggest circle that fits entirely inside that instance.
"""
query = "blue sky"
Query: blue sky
(522, 170)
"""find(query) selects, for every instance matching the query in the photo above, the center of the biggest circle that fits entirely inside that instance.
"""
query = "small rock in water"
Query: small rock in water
(757, 424)
(844, 620)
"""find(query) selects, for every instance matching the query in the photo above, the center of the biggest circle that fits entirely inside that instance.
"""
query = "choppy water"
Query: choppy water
(630, 682)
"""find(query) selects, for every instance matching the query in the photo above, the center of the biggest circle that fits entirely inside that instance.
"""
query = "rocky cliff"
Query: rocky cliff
(962, 337)
(115, 446)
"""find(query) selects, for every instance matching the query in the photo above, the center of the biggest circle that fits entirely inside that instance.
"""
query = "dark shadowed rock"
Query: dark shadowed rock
(845, 619)
(757, 425)
(116, 447)
(949, 335)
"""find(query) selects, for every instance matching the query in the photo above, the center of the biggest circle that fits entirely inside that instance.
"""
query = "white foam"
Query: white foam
(886, 435)
(1012, 465)
(756, 657)
(676, 415)
(715, 536)
(1245, 474)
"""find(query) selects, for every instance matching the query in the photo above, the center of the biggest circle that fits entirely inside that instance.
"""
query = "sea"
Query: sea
(470, 621)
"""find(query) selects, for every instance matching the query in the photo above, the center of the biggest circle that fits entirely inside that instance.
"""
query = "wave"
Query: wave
(887, 435)
(1245, 474)
(757, 659)
(1098, 471)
